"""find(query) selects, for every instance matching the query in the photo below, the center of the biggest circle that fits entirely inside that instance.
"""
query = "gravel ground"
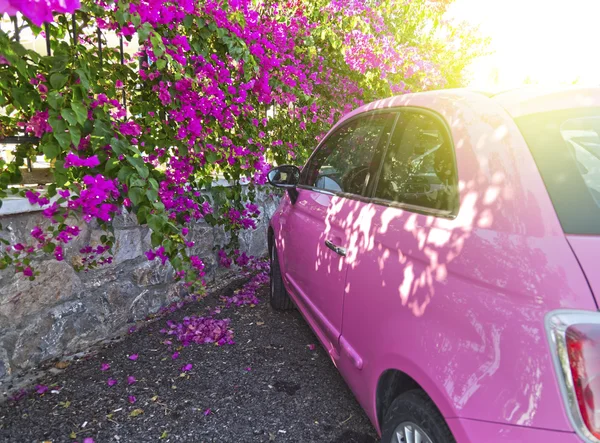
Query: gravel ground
(269, 386)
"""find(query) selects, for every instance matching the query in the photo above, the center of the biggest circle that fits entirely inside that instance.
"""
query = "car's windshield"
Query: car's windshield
(566, 148)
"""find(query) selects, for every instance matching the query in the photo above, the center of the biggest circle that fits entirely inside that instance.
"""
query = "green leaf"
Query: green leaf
(153, 183)
(55, 99)
(156, 239)
(69, 116)
(136, 412)
(157, 45)
(124, 173)
(101, 129)
(60, 173)
(142, 215)
(161, 63)
(58, 63)
(143, 32)
(51, 149)
(83, 78)
(49, 248)
(58, 80)
(80, 111)
(135, 180)
(118, 146)
(211, 157)
(152, 195)
(64, 140)
(136, 194)
(139, 165)
(156, 222)
(51, 190)
(136, 20)
(75, 135)
(111, 164)
(57, 124)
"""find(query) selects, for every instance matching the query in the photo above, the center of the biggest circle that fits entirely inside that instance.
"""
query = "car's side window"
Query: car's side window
(349, 157)
(419, 167)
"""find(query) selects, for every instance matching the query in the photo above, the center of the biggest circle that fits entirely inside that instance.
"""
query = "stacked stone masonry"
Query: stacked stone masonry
(63, 311)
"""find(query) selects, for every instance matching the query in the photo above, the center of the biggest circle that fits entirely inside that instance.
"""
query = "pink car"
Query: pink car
(444, 247)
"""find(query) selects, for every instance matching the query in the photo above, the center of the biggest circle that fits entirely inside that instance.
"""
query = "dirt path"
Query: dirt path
(271, 385)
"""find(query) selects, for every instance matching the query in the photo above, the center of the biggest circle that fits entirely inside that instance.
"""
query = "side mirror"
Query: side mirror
(284, 176)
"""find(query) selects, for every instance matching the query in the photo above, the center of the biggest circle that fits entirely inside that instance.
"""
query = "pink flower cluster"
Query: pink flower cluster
(38, 124)
(200, 330)
(38, 11)
(247, 294)
(94, 199)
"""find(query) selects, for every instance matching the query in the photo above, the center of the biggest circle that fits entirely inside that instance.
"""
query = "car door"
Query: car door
(337, 175)
(398, 267)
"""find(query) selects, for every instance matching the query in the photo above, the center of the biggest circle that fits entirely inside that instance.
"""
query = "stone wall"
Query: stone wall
(63, 311)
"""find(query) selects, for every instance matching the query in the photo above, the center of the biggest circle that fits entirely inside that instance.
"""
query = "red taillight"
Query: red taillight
(583, 350)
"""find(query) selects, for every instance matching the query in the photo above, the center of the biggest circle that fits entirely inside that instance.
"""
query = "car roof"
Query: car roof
(533, 100)
(517, 102)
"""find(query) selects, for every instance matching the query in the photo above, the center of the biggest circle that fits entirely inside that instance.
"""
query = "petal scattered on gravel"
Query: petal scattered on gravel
(41, 389)
(111, 382)
(187, 367)
(133, 357)
(104, 366)
(131, 380)
(132, 399)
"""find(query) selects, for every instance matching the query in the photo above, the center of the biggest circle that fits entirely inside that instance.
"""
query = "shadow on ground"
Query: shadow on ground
(269, 386)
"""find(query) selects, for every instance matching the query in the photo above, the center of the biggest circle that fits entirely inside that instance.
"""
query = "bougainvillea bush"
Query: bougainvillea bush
(215, 89)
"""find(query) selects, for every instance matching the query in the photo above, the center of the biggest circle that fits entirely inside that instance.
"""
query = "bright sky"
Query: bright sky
(547, 42)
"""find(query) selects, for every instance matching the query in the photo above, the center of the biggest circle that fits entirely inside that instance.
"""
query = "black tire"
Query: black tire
(279, 297)
(416, 407)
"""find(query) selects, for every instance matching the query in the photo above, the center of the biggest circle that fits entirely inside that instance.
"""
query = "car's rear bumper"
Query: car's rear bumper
(472, 431)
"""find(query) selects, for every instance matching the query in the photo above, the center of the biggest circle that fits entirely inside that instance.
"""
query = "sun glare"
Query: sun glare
(545, 42)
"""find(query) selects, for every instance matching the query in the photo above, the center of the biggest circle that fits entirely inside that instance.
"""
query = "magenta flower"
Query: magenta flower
(28, 272)
(131, 380)
(132, 399)
(39, 11)
(37, 232)
(58, 253)
(50, 211)
(72, 160)
(41, 389)
(133, 357)
(187, 367)
(105, 366)
(111, 382)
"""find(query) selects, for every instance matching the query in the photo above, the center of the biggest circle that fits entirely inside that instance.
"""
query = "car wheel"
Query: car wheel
(279, 297)
(413, 417)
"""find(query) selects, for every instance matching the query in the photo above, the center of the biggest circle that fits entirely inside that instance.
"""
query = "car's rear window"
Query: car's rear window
(566, 148)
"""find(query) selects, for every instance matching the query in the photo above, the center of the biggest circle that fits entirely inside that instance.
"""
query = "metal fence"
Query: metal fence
(37, 172)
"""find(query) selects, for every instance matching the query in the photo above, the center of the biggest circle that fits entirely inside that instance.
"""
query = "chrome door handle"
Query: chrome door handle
(337, 249)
